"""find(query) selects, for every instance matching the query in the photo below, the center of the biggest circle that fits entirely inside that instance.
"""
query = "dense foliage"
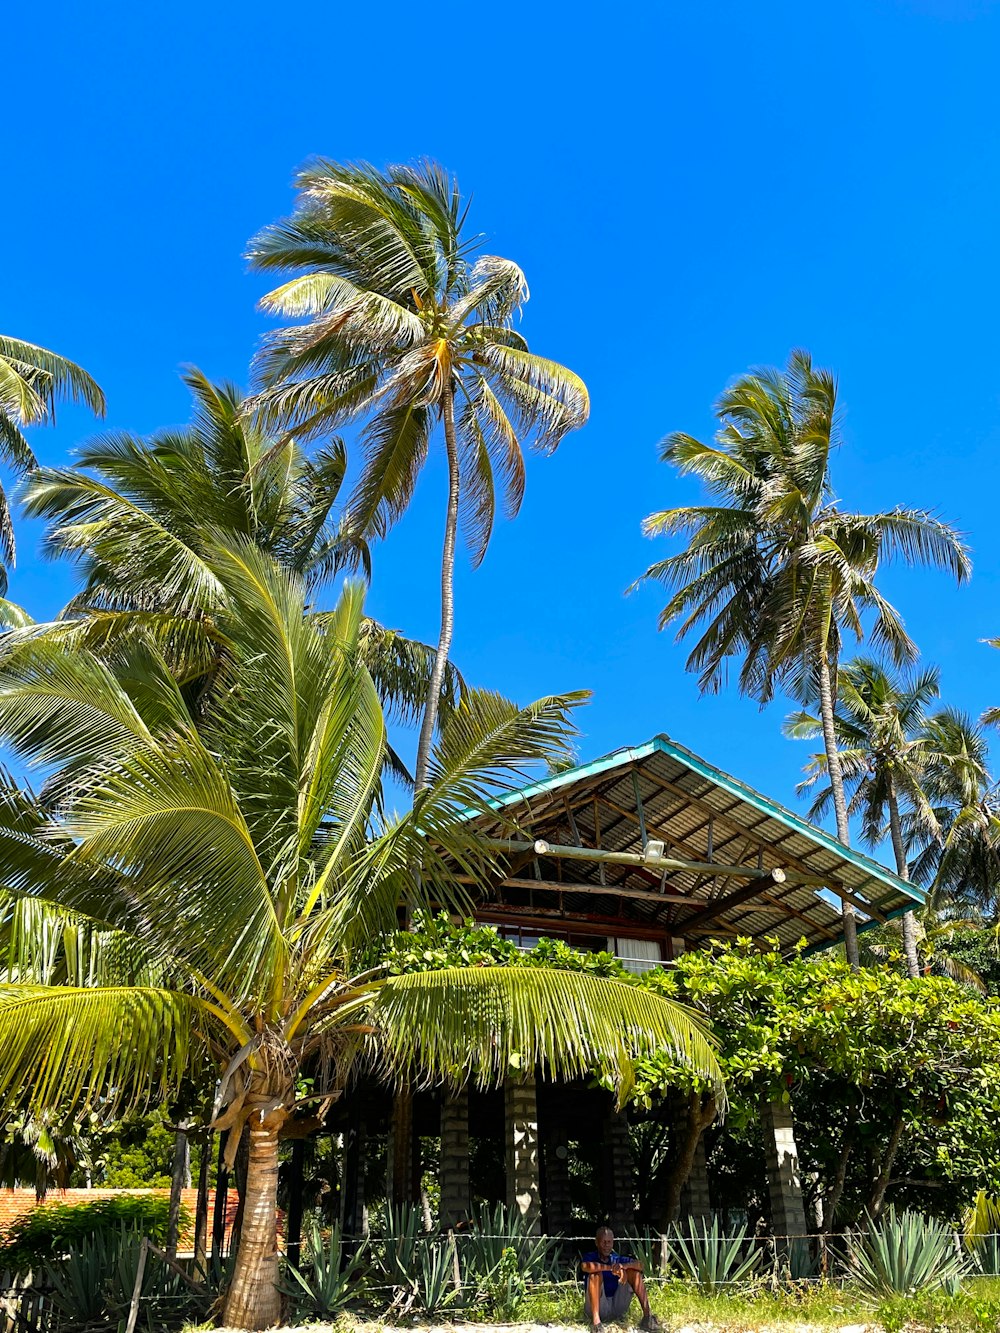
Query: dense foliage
(896, 1081)
(55, 1228)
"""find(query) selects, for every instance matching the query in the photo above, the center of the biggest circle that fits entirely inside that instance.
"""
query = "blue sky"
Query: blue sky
(691, 190)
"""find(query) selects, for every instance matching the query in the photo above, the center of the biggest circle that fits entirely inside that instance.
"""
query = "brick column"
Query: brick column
(521, 1133)
(788, 1216)
(695, 1200)
(558, 1209)
(399, 1150)
(456, 1200)
(620, 1186)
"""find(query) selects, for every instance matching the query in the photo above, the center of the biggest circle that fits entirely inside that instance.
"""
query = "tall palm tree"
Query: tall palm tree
(240, 854)
(405, 333)
(774, 570)
(33, 381)
(960, 858)
(141, 517)
(884, 753)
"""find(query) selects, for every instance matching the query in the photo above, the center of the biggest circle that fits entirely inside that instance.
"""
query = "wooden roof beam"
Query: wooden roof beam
(601, 890)
(598, 855)
(820, 878)
(719, 906)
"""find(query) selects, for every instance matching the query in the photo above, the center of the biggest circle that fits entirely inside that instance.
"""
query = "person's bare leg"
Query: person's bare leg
(595, 1288)
(635, 1281)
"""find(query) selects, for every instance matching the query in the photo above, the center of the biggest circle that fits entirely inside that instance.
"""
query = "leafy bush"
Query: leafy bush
(708, 1258)
(331, 1278)
(904, 1254)
(49, 1232)
(504, 1288)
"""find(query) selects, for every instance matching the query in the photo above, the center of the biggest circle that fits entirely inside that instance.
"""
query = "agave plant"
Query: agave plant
(436, 1285)
(708, 1258)
(496, 1230)
(647, 1247)
(325, 1287)
(903, 1254)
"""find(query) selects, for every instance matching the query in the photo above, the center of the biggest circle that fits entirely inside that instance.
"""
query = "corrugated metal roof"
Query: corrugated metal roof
(702, 814)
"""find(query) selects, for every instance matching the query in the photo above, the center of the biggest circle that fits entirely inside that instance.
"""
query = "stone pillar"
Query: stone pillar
(620, 1180)
(521, 1133)
(456, 1202)
(788, 1216)
(695, 1200)
(399, 1150)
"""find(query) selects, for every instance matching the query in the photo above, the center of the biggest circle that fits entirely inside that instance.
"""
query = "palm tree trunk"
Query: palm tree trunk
(432, 705)
(826, 706)
(909, 924)
(253, 1300)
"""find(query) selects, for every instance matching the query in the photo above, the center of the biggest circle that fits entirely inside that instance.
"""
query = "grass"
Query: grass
(750, 1309)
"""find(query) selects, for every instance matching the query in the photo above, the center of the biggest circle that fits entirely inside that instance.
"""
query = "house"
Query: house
(646, 852)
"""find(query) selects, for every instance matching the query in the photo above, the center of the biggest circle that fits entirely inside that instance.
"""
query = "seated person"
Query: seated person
(612, 1280)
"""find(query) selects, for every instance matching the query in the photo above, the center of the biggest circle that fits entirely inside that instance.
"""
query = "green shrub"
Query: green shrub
(55, 1229)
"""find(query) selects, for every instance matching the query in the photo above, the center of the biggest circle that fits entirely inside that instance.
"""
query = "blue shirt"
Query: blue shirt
(610, 1281)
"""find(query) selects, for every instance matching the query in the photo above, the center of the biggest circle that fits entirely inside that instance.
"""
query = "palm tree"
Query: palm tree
(405, 333)
(141, 517)
(775, 571)
(32, 382)
(42, 1151)
(238, 879)
(884, 752)
(960, 857)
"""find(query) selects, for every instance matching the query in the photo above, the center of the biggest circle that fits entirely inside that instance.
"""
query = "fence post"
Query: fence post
(133, 1309)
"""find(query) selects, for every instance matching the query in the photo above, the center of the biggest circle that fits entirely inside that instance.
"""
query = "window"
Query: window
(637, 955)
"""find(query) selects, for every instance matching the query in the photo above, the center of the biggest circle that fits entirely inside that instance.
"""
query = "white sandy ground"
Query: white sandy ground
(668, 1326)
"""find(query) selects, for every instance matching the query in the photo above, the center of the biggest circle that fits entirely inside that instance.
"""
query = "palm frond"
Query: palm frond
(52, 378)
(82, 1045)
(480, 1024)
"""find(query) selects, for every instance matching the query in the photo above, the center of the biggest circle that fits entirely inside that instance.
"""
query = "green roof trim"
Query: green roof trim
(795, 823)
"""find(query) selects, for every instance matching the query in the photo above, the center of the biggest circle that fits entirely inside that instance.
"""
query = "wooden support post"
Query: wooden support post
(293, 1236)
(399, 1150)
